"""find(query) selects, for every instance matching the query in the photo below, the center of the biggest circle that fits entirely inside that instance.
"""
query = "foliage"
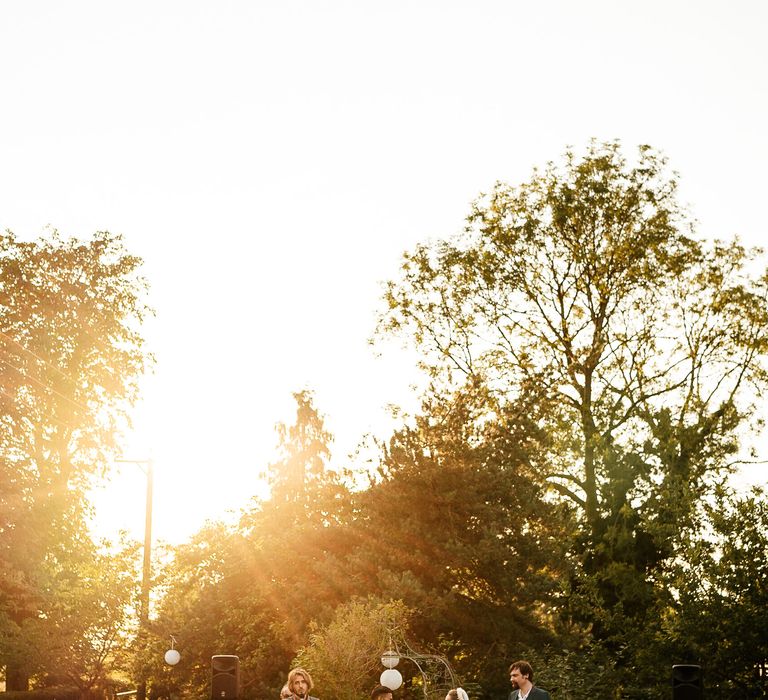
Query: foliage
(92, 616)
(344, 655)
(71, 355)
(593, 368)
(253, 592)
(304, 448)
(195, 609)
(51, 693)
(721, 612)
(469, 540)
(584, 290)
(574, 674)
(296, 575)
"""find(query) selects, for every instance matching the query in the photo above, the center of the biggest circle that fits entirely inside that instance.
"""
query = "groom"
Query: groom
(521, 675)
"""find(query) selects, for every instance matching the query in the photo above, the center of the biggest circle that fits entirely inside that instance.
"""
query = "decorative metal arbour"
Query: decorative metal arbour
(437, 675)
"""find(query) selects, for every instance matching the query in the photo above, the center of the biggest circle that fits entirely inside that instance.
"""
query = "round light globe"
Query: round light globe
(390, 659)
(391, 679)
(172, 657)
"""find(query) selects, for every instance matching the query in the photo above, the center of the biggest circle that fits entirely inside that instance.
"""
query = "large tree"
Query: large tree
(71, 354)
(457, 526)
(253, 591)
(587, 288)
(453, 525)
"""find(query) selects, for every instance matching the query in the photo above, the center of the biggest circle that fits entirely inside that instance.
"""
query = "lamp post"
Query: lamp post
(147, 466)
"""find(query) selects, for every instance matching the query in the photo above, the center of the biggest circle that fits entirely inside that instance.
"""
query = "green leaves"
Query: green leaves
(344, 655)
(583, 291)
(721, 605)
(71, 355)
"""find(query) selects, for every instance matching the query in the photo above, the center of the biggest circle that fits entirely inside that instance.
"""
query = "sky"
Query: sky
(271, 161)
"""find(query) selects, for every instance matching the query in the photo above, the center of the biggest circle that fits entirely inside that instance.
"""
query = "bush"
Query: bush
(52, 693)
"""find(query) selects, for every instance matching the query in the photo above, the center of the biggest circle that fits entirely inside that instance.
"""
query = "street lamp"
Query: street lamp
(147, 466)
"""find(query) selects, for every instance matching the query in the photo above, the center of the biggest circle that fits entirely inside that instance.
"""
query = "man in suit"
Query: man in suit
(521, 676)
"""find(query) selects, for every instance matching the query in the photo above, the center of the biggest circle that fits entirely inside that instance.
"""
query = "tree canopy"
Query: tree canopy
(594, 369)
(71, 354)
(644, 348)
(594, 372)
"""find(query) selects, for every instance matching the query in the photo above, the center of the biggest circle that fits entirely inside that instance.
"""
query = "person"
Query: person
(457, 694)
(285, 692)
(381, 692)
(521, 676)
(300, 683)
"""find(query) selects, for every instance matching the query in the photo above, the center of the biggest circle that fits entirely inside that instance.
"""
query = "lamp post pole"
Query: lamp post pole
(146, 569)
(147, 466)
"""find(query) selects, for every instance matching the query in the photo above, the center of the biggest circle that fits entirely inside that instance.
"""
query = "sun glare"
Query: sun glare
(195, 480)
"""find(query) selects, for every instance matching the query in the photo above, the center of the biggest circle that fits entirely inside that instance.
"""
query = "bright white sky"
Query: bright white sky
(271, 160)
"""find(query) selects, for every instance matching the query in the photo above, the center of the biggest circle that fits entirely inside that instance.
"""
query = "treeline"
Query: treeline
(595, 373)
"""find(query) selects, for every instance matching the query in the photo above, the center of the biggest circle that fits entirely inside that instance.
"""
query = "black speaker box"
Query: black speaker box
(687, 682)
(225, 677)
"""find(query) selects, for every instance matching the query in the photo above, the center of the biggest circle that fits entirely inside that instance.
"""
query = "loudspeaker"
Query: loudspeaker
(225, 677)
(687, 682)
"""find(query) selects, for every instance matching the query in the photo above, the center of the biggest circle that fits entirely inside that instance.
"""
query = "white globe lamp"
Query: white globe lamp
(391, 679)
(172, 657)
(389, 659)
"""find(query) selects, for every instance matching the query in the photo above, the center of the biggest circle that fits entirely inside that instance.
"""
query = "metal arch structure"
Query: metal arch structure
(437, 675)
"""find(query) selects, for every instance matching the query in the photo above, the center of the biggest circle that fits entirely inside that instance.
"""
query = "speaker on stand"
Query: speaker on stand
(687, 682)
(225, 677)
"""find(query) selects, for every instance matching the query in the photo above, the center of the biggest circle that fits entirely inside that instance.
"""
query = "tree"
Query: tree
(586, 672)
(457, 527)
(454, 527)
(304, 448)
(585, 288)
(255, 590)
(92, 615)
(203, 587)
(71, 354)
(344, 655)
(720, 616)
